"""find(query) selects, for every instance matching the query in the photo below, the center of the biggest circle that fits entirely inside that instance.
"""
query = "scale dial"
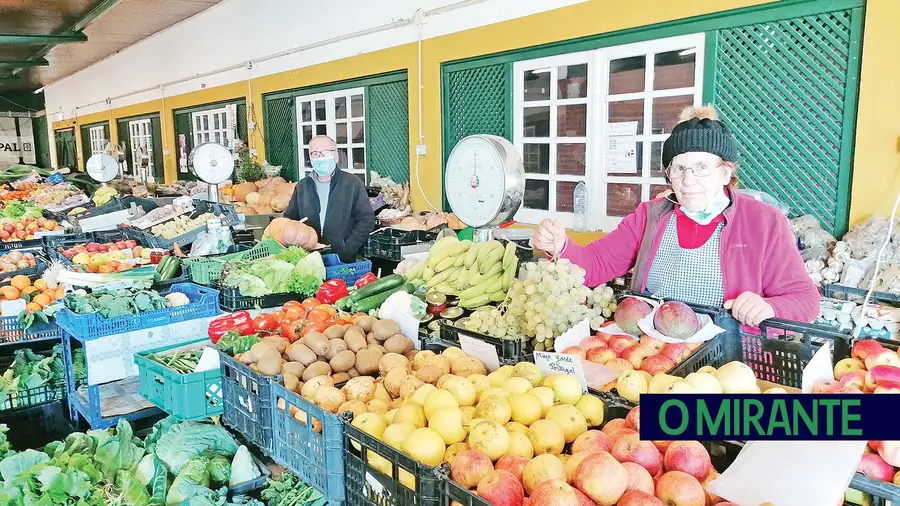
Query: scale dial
(484, 180)
(212, 163)
(102, 167)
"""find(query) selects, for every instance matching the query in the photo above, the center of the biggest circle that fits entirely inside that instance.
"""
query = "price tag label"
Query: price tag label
(12, 307)
(56, 178)
(479, 349)
(38, 235)
(555, 364)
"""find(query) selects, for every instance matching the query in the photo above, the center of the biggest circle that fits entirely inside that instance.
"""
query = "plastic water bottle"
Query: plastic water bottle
(580, 206)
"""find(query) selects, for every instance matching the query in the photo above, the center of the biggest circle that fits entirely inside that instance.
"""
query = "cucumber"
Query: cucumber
(375, 301)
(343, 303)
(378, 286)
(171, 268)
(161, 268)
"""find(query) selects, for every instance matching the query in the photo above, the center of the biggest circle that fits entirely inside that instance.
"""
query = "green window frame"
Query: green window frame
(477, 93)
(66, 152)
(385, 134)
(124, 128)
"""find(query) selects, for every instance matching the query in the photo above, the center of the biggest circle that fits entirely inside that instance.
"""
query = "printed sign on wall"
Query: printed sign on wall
(16, 145)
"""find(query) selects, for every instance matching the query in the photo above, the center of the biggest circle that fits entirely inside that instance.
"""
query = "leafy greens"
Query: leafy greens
(290, 273)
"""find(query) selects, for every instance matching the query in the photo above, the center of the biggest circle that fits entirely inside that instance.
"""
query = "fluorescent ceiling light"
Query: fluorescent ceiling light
(540, 71)
(688, 51)
(39, 90)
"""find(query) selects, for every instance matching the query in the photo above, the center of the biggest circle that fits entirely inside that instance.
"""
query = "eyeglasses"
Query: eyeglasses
(321, 154)
(678, 171)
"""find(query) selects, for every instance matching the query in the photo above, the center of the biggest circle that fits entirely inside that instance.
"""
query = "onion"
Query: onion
(15, 256)
(252, 198)
(280, 202)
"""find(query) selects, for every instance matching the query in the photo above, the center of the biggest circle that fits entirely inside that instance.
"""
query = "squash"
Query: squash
(252, 198)
(245, 210)
(263, 209)
(275, 228)
(264, 199)
(262, 183)
(241, 191)
(311, 241)
(280, 202)
(293, 233)
(284, 188)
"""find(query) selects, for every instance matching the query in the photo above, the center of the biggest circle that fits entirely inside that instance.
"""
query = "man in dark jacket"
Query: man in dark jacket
(331, 196)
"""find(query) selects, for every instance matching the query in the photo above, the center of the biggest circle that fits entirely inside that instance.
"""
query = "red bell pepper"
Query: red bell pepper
(239, 322)
(332, 290)
(365, 280)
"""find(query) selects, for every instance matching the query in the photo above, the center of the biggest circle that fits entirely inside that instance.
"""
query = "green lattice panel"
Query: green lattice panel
(781, 87)
(387, 130)
(281, 136)
(478, 102)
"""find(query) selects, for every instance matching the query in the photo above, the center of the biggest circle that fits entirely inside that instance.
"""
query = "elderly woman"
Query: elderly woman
(706, 243)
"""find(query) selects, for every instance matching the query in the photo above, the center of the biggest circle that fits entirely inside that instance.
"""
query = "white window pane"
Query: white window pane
(572, 81)
(340, 107)
(674, 69)
(537, 85)
(570, 159)
(359, 132)
(537, 194)
(666, 111)
(628, 110)
(536, 158)
(571, 120)
(341, 133)
(626, 75)
(537, 121)
(320, 110)
(356, 106)
(565, 196)
(622, 198)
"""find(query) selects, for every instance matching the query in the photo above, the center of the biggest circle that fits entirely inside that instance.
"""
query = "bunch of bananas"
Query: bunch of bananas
(477, 273)
(104, 194)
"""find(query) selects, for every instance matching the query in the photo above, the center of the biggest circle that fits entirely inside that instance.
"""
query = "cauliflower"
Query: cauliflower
(176, 299)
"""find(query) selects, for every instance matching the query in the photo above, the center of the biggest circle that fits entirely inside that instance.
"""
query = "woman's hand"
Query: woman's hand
(549, 236)
(750, 309)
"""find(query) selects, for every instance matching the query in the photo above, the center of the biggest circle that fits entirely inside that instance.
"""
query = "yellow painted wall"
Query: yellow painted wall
(877, 130)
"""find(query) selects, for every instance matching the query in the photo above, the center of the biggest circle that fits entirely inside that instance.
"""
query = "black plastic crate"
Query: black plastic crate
(509, 351)
(777, 352)
(114, 205)
(248, 402)
(230, 299)
(37, 426)
(363, 450)
(55, 247)
(853, 294)
(23, 244)
(388, 243)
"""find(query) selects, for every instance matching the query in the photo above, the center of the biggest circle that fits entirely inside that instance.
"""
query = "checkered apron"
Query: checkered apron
(688, 275)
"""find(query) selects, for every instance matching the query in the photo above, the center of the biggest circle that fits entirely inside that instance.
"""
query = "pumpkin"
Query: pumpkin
(242, 190)
(252, 198)
(280, 202)
(284, 188)
(264, 199)
(275, 228)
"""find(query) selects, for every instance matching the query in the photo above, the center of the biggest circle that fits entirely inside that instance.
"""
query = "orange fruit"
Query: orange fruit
(9, 292)
(43, 299)
(20, 282)
(29, 289)
(60, 292)
(40, 284)
(33, 306)
(105, 269)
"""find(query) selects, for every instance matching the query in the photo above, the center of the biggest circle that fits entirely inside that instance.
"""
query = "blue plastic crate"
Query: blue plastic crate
(317, 456)
(84, 327)
(187, 397)
(334, 269)
(248, 402)
(11, 332)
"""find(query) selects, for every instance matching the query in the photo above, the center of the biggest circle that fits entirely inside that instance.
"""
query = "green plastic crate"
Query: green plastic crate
(186, 397)
(207, 270)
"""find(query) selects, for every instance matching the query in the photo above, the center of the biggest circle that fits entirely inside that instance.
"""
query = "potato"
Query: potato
(411, 355)
(384, 329)
(367, 360)
(335, 332)
(398, 343)
(409, 385)
(355, 339)
(318, 343)
(295, 368)
(279, 342)
(429, 374)
(254, 368)
(336, 346)
(291, 382)
(421, 357)
(329, 399)
(308, 390)
(361, 388)
(390, 362)
(365, 322)
(466, 366)
(393, 380)
(340, 377)
(377, 406)
(354, 406)
(370, 338)
(299, 352)
(343, 361)
(246, 358)
(316, 369)
(270, 364)
(453, 353)
(353, 372)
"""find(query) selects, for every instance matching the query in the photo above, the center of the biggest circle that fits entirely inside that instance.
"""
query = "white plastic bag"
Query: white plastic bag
(768, 199)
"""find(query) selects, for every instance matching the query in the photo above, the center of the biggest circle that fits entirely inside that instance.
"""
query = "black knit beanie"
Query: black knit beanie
(700, 130)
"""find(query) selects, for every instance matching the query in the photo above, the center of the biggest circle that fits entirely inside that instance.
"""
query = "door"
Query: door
(65, 149)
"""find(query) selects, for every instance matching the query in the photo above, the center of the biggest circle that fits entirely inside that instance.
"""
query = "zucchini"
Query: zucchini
(172, 268)
(375, 301)
(343, 304)
(161, 267)
(378, 286)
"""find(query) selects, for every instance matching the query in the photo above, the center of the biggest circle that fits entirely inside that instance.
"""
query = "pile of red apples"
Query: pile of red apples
(871, 368)
(624, 352)
(604, 467)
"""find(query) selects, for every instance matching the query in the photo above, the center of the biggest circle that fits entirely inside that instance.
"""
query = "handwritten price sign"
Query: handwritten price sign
(555, 364)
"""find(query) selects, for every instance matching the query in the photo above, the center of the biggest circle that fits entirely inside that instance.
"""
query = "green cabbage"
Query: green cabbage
(219, 468)
(184, 441)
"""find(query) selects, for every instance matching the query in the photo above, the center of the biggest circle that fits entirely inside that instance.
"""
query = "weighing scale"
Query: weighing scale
(485, 183)
(213, 164)
(103, 168)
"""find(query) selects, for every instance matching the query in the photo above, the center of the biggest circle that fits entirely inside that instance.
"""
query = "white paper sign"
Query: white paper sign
(555, 364)
(795, 473)
(479, 349)
(818, 368)
(209, 360)
(622, 147)
(12, 307)
(574, 336)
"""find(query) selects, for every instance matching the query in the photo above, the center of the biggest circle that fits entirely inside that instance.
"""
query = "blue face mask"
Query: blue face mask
(323, 166)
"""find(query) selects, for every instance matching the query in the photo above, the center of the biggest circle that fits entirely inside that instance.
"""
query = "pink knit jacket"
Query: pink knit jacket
(758, 254)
